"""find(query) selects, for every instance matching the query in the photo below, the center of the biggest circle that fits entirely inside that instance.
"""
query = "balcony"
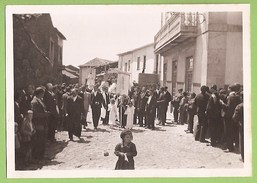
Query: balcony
(178, 28)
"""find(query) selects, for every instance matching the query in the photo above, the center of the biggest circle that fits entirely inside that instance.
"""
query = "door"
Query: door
(174, 76)
(189, 73)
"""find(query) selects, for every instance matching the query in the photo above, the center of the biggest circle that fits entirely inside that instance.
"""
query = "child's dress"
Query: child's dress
(130, 116)
(125, 162)
(113, 114)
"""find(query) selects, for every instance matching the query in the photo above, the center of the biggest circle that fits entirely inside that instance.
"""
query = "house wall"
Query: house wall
(132, 56)
(84, 73)
(30, 66)
(217, 53)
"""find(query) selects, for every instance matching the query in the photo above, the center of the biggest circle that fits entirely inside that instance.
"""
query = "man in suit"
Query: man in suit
(18, 116)
(65, 97)
(96, 105)
(87, 103)
(135, 98)
(162, 103)
(232, 130)
(151, 110)
(106, 102)
(141, 106)
(27, 96)
(176, 102)
(201, 101)
(75, 110)
(40, 116)
(51, 107)
(156, 94)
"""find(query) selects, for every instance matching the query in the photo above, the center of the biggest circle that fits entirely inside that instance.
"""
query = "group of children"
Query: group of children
(122, 110)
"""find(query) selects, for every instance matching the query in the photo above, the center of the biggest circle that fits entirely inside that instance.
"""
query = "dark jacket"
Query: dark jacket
(142, 101)
(131, 151)
(96, 101)
(151, 107)
(39, 112)
(50, 102)
(201, 101)
(105, 103)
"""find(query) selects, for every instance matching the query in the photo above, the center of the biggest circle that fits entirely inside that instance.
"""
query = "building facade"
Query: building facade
(139, 60)
(38, 50)
(193, 49)
(92, 68)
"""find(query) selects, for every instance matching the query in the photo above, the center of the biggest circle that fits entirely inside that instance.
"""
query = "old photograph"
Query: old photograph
(153, 90)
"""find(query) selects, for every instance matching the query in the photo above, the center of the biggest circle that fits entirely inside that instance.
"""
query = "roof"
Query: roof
(71, 67)
(139, 48)
(60, 34)
(96, 62)
(68, 74)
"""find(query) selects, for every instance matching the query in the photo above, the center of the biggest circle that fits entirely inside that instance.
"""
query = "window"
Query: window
(189, 73)
(126, 67)
(138, 63)
(129, 65)
(144, 64)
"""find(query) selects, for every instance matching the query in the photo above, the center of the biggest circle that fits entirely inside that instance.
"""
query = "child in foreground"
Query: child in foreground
(125, 150)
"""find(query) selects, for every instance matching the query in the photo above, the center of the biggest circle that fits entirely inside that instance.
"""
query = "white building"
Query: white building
(139, 60)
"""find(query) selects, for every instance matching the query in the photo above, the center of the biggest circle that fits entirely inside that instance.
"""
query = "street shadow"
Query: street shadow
(137, 130)
(87, 136)
(98, 130)
(83, 141)
(51, 151)
(159, 129)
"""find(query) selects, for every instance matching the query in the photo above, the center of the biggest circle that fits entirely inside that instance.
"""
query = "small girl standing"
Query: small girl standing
(130, 115)
(125, 151)
(27, 130)
(113, 112)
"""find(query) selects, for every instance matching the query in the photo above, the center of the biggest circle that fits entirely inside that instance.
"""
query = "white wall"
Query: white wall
(84, 72)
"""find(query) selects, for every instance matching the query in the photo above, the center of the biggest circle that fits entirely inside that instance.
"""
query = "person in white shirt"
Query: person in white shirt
(130, 115)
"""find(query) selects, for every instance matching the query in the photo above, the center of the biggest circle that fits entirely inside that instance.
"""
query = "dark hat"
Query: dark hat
(124, 133)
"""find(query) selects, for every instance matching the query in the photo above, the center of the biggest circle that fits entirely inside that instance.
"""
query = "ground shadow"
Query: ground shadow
(98, 130)
(52, 150)
(159, 129)
(83, 141)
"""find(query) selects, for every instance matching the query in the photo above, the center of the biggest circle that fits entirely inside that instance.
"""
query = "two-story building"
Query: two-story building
(194, 49)
(38, 50)
(136, 61)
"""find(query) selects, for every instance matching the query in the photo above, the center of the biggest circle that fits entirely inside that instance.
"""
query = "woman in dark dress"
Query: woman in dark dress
(125, 151)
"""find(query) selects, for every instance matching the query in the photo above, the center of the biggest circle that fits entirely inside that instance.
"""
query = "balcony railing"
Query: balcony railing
(179, 24)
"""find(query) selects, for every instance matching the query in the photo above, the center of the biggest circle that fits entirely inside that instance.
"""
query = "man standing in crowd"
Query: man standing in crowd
(176, 102)
(65, 97)
(201, 101)
(151, 110)
(106, 102)
(75, 110)
(238, 118)
(135, 97)
(18, 116)
(162, 103)
(96, 105)
(40, 121)
(214, 117)
(51, 107)
(87, 102)
(233, 100)
(141, 106)
(156, 94)
(26, 99)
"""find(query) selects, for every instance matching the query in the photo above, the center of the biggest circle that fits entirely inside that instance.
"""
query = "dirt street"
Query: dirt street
(166, 147)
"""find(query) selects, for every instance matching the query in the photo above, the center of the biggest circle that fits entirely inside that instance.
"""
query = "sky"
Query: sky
(104, 32)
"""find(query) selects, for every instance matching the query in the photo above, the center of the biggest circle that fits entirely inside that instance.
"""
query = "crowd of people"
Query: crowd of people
(41, 111)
